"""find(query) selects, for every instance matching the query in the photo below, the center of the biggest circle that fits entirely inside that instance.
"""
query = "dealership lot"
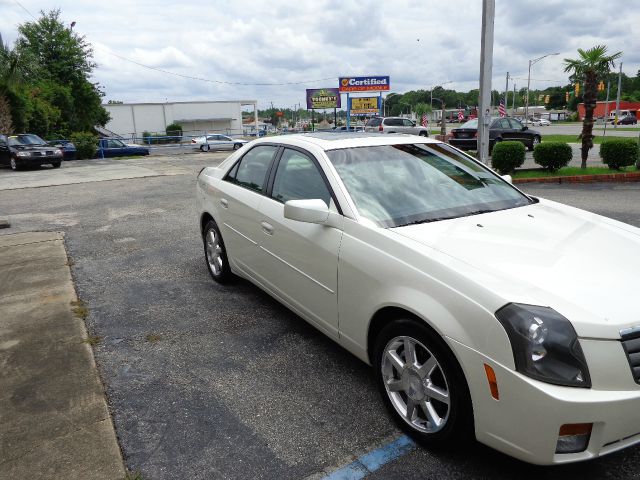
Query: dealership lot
(206, 381)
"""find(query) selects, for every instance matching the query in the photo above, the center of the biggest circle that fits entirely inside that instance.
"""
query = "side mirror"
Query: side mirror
(507, 178)
(308, 211)
(524, 127)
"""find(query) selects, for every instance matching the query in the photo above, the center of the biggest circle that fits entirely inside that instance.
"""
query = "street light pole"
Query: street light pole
(533, 62)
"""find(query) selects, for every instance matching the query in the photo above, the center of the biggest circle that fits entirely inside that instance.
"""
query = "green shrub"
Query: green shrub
(86, 144)
(174, 130)
(552, 156)
(618, 153)
(507, 156)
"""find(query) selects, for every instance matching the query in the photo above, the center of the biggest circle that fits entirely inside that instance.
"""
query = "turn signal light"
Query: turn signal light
(493, 383)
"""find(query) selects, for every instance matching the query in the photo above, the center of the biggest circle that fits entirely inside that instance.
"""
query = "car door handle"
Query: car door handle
(224, 203)
(267, 228)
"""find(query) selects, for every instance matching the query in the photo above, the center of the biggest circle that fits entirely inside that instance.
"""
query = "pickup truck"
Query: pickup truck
(112, 147)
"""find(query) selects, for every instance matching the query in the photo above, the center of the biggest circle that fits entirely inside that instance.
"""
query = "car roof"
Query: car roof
(339, 140)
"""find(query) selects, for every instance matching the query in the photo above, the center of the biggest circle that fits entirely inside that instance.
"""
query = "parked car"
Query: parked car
(67, 147)
(540, 122)
(217, 142)
(395, 125)
(628, 120)
(466, 136)
(27, 149)
(113, 147)
(471, 300)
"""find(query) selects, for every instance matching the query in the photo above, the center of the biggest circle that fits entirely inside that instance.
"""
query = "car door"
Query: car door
(518, 132)
(226, 143)
(239, 196)
(300, 260)
(409, 126)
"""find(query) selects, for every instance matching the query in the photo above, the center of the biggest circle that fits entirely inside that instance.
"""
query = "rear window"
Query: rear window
(374, 122)
(470, 124)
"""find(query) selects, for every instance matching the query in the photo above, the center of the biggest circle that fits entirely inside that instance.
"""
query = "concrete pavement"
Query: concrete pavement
(54, 420)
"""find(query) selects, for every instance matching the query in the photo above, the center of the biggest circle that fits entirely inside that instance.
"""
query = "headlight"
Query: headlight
(23, 154)
(58, 153)
(545, 345)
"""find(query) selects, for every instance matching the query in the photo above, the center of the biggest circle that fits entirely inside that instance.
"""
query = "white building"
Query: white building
(132, 119)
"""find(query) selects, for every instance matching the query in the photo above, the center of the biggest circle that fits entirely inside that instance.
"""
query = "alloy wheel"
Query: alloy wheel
(214, 252)
(416, 384)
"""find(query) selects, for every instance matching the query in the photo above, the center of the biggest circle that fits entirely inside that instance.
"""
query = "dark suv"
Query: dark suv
(395, 125)
(25, 149)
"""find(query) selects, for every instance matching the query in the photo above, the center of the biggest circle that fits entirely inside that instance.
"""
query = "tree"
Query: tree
(64, 62)
(591, 66)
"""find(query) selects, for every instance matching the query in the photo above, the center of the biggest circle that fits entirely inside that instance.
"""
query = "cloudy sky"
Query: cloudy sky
(308, 44)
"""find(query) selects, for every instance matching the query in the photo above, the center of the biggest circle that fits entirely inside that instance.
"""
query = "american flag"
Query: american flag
(501, 109)
(460, 115)
(425, 121)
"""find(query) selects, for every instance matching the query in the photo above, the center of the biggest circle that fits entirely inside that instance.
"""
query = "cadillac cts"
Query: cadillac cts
(485, 312)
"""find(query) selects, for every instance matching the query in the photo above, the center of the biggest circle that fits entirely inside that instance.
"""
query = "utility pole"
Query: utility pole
(486, 68)
(606, 109)
(506, 94)
(615, 123)
(513, 109)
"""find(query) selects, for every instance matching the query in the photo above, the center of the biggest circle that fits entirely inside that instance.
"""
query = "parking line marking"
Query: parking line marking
(372, 461)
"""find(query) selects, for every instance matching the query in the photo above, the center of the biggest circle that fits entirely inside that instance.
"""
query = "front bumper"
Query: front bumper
(38, 160)
(526, 420)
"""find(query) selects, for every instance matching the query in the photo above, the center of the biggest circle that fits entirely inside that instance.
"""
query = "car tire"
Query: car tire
(14, 164)
(236, 146)
(429, 399)
(205, 148)
(215, 253)
(56, 164)
(534, 141)
(423, 134)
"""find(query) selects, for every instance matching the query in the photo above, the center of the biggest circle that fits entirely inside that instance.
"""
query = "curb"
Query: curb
(606, 177)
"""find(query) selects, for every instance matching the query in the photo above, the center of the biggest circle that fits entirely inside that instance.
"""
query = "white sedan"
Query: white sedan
(482, 310)
(216, 141)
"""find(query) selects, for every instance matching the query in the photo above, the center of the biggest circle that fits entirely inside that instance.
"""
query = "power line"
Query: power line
(200, 79)
(23, 8)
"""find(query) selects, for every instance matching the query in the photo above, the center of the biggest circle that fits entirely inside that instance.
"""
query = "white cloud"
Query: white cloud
(418, 43)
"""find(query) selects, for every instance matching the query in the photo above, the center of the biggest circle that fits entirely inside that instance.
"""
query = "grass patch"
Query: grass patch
(92, 340)
(153, 338)
(133, 476)
(570, 171)
(574, 138)
(619, 129)
(79, 309)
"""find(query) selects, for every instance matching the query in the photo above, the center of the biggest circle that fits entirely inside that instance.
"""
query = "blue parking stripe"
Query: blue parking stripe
(372, 461)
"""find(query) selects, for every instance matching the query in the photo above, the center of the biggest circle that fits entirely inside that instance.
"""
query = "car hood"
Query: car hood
(33, 148)
(583, 265)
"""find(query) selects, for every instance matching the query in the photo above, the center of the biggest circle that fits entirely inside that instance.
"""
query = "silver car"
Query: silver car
(217, 142)
(395, 125)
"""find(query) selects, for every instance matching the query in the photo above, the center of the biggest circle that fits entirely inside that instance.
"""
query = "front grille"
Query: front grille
(49, 153)
(36, 154)
(631, 345)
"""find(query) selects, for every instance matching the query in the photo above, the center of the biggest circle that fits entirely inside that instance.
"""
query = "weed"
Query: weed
(153, 338)
(80, 309)
(92, 340)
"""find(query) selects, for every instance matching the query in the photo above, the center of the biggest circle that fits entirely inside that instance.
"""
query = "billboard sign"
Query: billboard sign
(361, 106)
(364, 84)
(318, 98)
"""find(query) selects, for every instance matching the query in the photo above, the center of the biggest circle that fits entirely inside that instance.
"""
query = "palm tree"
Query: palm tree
(592, 65)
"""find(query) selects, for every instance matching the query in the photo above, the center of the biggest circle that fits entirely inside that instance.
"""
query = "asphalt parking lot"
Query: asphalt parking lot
(210, 381)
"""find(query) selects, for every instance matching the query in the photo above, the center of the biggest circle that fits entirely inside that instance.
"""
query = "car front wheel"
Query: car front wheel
(205, 148)
(14, 164)
(236, 146)
(216, 254)
(422, 384)
(535, 141)
(56, 164)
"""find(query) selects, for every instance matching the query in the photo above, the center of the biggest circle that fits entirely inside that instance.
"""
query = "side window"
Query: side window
(253, 167)
(408, 123)
(504, 123)
(515, 124)
(113, 144)
(298, 178)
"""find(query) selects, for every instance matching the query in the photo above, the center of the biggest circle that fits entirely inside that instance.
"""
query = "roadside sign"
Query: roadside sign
(364, 84)
(319, 98)
(364, 106)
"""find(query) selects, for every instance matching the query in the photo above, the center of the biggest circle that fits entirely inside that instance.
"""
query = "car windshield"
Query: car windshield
(26, 140)
(397, 185)
(470, 124)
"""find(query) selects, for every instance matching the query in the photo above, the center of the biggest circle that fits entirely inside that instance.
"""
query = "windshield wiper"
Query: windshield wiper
(426, 220)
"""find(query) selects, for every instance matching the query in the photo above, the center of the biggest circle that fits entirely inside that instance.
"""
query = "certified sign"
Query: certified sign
(364, 84)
